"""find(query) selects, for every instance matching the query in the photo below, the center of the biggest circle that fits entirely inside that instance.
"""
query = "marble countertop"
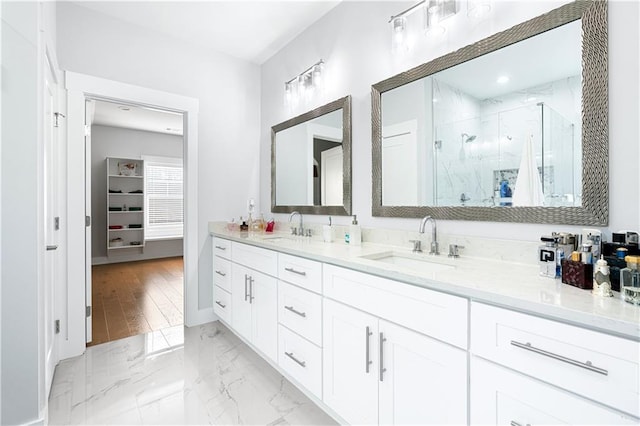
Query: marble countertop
(513, 285)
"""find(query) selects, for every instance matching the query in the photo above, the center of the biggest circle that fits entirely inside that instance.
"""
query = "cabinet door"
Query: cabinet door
(350, 364)
(263, 296)
(423, 381)
(504, 397)
(241, 312)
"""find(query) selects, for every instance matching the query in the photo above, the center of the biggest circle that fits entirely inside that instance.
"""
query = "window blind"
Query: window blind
(164, 201)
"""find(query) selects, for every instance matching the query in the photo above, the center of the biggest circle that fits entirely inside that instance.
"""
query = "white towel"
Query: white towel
(528, 189)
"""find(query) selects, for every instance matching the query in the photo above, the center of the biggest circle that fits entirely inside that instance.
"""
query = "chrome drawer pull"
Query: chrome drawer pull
(297, 361)
(290, 308)
(220, 304)
(367, 357)
(382, 369)
(586, 365)
(303, 273)
(222, 274)
(221, 248)
(514, 423)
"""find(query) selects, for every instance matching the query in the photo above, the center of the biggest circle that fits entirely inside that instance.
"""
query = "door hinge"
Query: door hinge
(87, 221)
(56, 223)
(57, 115)
(88, 311)
(57, 326)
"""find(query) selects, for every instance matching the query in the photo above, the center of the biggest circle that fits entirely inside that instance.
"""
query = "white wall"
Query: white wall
(355, 43)
(107, 141)
(228, 91)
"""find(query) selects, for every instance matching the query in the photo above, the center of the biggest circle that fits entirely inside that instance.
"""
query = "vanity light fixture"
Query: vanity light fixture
(304, 84)
(435, 11)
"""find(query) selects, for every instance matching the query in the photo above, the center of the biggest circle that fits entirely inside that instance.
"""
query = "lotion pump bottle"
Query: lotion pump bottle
(355, 233)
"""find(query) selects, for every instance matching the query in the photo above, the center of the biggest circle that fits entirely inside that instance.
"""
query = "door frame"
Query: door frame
(80, 87)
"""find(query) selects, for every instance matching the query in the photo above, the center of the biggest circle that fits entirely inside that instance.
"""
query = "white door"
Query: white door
(350, 363)
(502, 397)
(331, 177)
(424, 381)
(263, 293)
(51, 217)
(241, 312)
(88, 120)
(400, 164)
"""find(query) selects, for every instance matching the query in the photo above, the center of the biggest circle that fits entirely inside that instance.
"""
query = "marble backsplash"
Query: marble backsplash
(514, 251)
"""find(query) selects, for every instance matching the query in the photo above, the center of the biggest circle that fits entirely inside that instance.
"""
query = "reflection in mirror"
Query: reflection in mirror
(311, 161)
(500, 130)
(501, 123)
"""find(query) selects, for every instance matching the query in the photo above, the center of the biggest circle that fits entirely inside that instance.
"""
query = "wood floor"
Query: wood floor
(136, 297)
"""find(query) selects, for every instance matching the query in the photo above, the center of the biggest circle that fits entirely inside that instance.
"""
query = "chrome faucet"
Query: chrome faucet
(300, 229)
(434, 238)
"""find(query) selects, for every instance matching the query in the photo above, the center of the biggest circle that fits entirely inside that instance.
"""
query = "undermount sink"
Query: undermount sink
(419, 263)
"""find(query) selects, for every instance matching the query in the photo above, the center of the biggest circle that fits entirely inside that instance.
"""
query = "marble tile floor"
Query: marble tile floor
(197, 375)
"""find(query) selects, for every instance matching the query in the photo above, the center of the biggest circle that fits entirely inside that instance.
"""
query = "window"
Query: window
(163, 198)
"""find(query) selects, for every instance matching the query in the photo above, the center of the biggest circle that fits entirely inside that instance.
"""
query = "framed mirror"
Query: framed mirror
(513, 128)
(311, 161)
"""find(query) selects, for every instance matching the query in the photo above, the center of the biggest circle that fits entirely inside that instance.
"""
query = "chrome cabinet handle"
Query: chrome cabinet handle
(296, 360)
(290, 308)
(303, 273)
(367, 356)
(514, 423)
(586, 365)
(221, 248)
(382, 369)
(220, 304)
(246, 278)
(52, 247)
(222, 274)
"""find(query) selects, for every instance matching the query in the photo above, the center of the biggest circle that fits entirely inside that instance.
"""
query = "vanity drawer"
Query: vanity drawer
(222, 304)
(265, 261)
(222, 247)
(599, 366)
(302, 272)
(301, 359)
(301, 311)
(433, 313)
(501, 396)
(222, 273)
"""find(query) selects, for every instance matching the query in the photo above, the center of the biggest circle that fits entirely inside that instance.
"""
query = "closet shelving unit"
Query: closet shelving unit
(125, 204)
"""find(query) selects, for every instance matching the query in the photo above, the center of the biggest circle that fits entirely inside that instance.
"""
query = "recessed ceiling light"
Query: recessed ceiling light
(124, 108)
(502, 79)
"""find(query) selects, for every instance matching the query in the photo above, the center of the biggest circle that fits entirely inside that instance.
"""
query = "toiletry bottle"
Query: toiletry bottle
(355, 232)
(547, 254)
(630, 276)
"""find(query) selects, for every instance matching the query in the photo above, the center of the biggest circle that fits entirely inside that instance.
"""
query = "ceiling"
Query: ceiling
(138, 118)
(249, 30)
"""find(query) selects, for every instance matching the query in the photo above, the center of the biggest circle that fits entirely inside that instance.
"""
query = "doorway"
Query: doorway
(77, 305)
(135, 184)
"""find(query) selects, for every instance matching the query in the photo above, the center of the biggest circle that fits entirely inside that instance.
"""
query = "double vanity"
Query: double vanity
(380, 334)
(377, 334)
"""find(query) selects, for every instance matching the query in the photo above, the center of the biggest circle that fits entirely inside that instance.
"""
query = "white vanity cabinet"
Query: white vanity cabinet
(254, 298)
(221, 250)
(577, 365)
(375, 371)
(300, 320)
(503, 397)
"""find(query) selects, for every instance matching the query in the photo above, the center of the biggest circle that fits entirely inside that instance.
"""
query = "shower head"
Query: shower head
(468, 138)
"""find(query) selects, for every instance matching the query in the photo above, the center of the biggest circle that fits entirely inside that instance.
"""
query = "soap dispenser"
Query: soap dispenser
(355, 232)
